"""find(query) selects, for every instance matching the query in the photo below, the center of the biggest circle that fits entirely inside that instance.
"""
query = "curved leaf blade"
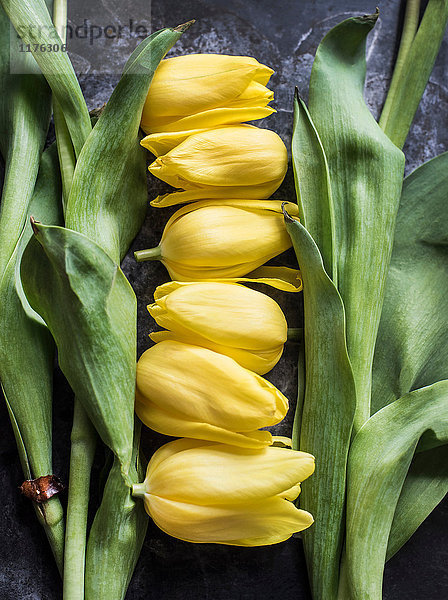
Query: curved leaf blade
(90, 309)
(111, 559)
(412, 344)
(329, 406)
(380, 457)
(313, 188)
(366, 172)
(25, 105)
(33, 23)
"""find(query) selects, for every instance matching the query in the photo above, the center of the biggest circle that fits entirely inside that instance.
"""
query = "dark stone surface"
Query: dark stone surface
(283, 35)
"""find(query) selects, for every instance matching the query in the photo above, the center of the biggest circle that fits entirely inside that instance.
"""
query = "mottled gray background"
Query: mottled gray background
(284, 35)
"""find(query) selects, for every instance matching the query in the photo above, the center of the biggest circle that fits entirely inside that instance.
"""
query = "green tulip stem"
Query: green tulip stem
(418, 52)
(139, 490)
(64, 144)
(294, 334)
(51, 516)
(83, 441)
(410, 26)
(150, 254)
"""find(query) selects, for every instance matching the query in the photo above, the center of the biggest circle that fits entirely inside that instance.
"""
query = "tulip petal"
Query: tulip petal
(255, 95)
(281, 441)
(229, 238)
(225, 319)
(269, 522)
(188, 94)
(224, 315)
(208, 119)
(222, 240)
(229, 156)
(292, 493)
(222, 474)
(172, 448)
(161, 143)
(184, 273)
(281, 278)
(196, 384)
(252, 192)
(190, 83)
(256, 204)
(170, 423)
(260, 362)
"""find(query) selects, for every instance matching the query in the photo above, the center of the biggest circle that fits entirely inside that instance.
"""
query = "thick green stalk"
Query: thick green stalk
(83, 441)
(51, 517)
(414, 69)
(66, 153)
(410, 26)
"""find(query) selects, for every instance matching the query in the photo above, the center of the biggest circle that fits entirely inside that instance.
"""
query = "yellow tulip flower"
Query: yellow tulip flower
(229, 238)
(191, 391)
(198, 91)
(238, 161)
(213, 493)
(228, 318)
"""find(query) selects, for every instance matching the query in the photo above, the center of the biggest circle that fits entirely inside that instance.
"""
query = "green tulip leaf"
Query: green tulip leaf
(25, 340)
(90, 309)
(110, 206)
(329, 406)
(366, 172)
(412, 345)
(33, 23)
(25, 106)
(379, 460)
(111, 558)
(313, 188)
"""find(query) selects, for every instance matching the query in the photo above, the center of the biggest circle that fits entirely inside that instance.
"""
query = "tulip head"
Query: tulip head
(198, 91)
(191, 391)
(211, 240)
(214, 493)
(238, 161)
(228, 318)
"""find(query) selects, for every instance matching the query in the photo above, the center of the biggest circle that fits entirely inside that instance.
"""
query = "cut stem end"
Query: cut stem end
(150, 254)
(139, 490)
